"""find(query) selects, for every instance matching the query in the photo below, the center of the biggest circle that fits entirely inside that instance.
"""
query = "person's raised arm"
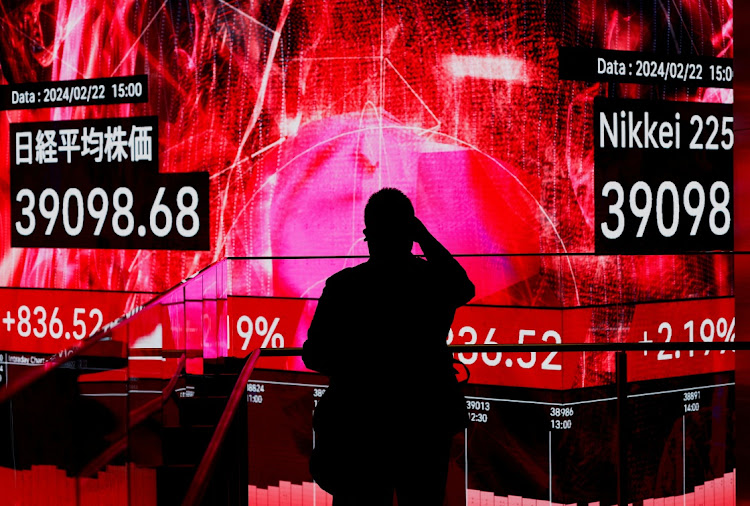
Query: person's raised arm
(457, 280)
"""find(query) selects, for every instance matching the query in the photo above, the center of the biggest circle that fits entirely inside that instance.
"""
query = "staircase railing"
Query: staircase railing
(203, 474)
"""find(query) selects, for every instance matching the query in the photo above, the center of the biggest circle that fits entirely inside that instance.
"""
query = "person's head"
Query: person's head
(389, 222)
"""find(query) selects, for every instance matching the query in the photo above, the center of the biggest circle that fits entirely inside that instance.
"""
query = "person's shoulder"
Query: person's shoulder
(347, 275)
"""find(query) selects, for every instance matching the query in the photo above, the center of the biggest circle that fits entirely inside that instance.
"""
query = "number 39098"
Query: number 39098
(690, 201)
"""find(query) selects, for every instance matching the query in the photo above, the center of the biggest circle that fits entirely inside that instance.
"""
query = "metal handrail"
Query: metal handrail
(11, 390)
(571, 347)
(495, 255)
(200, 480)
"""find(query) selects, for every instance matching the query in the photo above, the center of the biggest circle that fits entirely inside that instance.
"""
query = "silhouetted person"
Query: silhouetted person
(379, 332)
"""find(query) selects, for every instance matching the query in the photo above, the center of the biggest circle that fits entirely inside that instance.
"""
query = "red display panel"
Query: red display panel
(251, 130)
(258, 322)
(47, 320)
(578, 153)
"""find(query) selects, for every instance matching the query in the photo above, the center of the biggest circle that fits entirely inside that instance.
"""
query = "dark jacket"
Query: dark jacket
(379, 333)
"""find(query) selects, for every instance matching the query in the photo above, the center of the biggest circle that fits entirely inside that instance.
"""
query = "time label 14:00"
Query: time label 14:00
(73, 208)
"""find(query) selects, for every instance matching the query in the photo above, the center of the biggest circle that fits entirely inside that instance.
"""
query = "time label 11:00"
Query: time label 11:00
(73, 208)
(42, 322)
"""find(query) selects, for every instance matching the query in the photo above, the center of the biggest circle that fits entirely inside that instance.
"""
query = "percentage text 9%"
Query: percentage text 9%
(246, 326)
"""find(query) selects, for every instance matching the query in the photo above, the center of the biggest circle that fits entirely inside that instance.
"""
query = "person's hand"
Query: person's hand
(419, 231)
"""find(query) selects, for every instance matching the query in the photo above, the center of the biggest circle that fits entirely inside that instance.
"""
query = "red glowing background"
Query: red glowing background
(300, 109)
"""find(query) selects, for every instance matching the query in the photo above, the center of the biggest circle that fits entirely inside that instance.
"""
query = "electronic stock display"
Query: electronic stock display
(576, 155)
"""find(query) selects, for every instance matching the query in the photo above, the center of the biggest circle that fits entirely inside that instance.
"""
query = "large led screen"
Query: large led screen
(145, 140)
(575, 154)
